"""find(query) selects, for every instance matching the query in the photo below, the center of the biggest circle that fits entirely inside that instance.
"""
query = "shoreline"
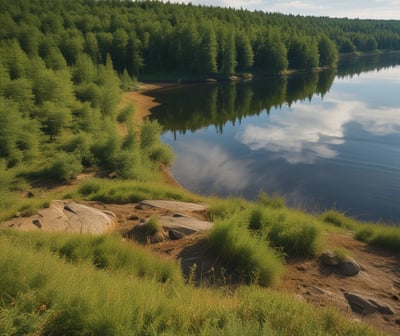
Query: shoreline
(143, 104)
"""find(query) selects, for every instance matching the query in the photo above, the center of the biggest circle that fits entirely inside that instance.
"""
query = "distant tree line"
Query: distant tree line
(151, 37)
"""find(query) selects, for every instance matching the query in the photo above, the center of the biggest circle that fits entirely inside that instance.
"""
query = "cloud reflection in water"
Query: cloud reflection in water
(306, 132)
(207, 163)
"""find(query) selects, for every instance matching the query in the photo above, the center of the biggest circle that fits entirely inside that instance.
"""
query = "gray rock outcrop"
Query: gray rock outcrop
(366, 305)
(66, 216)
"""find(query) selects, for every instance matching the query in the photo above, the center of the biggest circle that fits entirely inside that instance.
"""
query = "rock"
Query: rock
(113, 175)
(313, 290)
(175, 234)
(329, 258)
(366, 305)
(66, 216)
(183, 225)
(175, 206)
(398, 321)
(349, 267)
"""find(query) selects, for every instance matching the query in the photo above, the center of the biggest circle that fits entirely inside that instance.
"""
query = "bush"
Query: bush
(126, 113)
(292, 231)
(222, 209)
(246, 256)
(341, 253)
(151, 227)
(90, 186)
(385, 236)
(274, 201)
(80, 144)
(63, 166)
(163, 154)
(338, 219)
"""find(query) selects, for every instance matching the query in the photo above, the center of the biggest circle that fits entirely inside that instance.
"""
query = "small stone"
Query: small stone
(349, 267)
(398, 321)
(175, 234)
(37, 223)
(113, 175)
(329, 258)
(395, 298)
(301, 268)
(315, 290)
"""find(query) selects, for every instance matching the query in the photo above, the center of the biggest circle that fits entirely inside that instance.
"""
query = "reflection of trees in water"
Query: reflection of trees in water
(197, 106)
(351, 65)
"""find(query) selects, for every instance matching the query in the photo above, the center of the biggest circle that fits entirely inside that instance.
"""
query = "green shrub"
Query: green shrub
(80, 144)
(294, 232)
(163, 154)
(126, 113)
(150, 134)
(338, 219)
(90, 186)
(63, 166)
(221, 208)
(341, 253)
(274, 201)
(387, 237)
(152, 226)
(246, 256)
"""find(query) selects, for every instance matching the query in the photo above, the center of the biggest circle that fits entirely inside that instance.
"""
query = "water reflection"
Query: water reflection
(189, 108)
(322, 141)
(204, 163)
(308, 132)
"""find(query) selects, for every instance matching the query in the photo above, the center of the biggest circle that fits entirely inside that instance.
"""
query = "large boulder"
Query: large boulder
(366, 305)
(66, 216)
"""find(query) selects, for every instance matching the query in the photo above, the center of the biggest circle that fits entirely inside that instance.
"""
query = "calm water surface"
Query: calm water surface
(325, 140)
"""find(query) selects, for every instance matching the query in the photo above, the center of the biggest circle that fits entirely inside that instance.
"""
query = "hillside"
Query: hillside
(73, 126)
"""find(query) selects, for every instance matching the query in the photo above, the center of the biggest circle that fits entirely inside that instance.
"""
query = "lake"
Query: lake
(323, 140)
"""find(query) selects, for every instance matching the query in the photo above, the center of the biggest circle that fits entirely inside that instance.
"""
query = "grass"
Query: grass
(127, 191)
(387, 237)
(384, 236)
(338, 219)
(293, 232)
(341, 253)
(42, 293)
(152, 226)
(102, 252)
(246, 256)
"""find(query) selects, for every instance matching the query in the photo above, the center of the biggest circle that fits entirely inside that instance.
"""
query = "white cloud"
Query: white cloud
(379, 9)
(307, 133)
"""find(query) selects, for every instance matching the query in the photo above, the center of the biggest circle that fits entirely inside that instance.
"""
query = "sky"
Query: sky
(363, 9)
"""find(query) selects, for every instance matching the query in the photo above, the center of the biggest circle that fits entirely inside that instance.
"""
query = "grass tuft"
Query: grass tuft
(294, 232)
(338, 219)
(247, 256)
(387, 237)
